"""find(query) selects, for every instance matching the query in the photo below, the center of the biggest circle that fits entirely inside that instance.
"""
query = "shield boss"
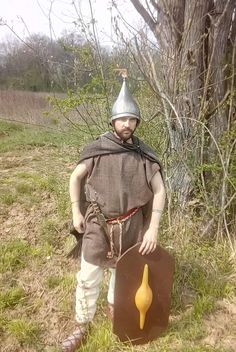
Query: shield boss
(129, 275)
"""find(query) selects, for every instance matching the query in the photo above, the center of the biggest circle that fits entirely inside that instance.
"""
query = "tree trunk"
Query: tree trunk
(221, 21)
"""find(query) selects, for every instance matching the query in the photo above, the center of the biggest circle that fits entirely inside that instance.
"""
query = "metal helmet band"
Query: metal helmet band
(125, 105)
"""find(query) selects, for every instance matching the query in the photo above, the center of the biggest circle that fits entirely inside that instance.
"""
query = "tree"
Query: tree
(193, 75)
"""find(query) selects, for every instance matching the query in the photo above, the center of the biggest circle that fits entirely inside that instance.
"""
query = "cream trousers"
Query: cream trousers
(89, 279)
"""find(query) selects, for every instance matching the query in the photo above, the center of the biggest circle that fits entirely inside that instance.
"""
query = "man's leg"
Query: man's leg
(89, 278)
(111, 290)
(110, 295)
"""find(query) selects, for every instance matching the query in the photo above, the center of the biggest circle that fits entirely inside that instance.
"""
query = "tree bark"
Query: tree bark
(221, 22)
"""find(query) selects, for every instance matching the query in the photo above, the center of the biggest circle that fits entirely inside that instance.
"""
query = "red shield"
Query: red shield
(129, 272)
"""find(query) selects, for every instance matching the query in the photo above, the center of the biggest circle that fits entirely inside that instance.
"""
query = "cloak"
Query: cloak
(108, 143)
(119, 176)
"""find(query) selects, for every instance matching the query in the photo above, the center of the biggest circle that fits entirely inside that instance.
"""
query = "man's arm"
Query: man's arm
(75, 188)
(149, 242)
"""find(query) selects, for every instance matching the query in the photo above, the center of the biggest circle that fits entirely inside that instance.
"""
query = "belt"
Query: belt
(112, 221)
(123, 217)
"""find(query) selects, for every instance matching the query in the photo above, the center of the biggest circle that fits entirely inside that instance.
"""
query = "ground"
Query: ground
(37, 280)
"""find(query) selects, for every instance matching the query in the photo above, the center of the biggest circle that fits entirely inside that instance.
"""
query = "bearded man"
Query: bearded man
(124, 190)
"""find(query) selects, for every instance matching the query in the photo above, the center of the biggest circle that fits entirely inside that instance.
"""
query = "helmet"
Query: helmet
(125, 105)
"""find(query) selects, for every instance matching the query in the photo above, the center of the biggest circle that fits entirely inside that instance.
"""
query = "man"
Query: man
(121, 178)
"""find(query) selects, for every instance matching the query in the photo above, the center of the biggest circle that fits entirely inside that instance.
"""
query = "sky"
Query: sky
(32, 16)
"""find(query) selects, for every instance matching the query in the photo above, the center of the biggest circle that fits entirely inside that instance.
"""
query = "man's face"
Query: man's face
(124, 127)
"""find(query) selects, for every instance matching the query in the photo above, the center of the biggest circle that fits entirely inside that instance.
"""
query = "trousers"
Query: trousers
(89, 279)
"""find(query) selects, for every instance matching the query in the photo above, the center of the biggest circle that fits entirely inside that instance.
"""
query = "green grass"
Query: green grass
(41, 252)
(101, 339)
(40, 181)
(23, 188)
(19, 136)
(12, 297)
(66, 282)
(51, 184)
(7, 198)
(53, 282)
(14, 255)
(200, 273)
(26, 332)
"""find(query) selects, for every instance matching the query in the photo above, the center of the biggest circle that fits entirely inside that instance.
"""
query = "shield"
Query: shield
(129, 283)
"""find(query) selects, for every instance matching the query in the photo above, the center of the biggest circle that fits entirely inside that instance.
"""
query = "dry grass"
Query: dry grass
(28, 107)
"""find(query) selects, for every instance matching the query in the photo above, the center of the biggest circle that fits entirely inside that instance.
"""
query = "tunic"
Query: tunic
(118, 183)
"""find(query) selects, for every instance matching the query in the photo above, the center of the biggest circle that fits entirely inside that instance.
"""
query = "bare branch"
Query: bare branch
(155, 5)
(145, 15)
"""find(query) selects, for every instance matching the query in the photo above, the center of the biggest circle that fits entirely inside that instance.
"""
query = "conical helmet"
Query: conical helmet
(125, 105)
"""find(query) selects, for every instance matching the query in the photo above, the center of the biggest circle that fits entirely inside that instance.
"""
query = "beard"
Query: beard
(124, 135)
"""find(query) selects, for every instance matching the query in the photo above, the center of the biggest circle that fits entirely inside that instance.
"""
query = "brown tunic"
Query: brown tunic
(118, 183)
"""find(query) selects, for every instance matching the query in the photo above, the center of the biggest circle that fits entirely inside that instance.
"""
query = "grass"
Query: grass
(7, 198)
(26, 332)
(53, 282)
(66, 282)
(49, 231)
(24, 188)
(12, 297)
(38, 282)
(14, 255)
(16, 136)
(3, 324)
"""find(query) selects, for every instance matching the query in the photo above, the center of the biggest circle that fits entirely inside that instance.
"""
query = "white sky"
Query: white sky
(35, 13)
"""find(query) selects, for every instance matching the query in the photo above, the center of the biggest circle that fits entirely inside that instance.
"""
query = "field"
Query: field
(37, 280)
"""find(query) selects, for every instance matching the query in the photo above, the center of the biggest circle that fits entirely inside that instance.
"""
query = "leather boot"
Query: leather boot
(76, 339)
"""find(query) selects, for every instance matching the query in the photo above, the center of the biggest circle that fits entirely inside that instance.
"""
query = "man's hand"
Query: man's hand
(78, 222)
(149, 242)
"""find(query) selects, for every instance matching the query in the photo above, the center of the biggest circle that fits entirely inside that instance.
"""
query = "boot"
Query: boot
(76, 339)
